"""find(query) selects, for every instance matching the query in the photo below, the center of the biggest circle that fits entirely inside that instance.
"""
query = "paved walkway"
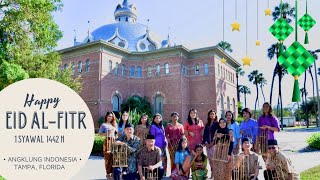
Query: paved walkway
(292, 143)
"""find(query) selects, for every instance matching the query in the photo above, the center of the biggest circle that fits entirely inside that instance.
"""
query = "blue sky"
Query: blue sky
(196, 24)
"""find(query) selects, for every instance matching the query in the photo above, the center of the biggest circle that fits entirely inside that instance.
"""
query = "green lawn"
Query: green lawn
(311, 174)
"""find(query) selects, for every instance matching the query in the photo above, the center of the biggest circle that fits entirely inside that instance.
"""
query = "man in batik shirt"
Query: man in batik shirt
(149, 160)
(278, 166)
(132, 142)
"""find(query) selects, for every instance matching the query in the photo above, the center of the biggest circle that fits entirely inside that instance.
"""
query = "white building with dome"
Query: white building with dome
(127, 33)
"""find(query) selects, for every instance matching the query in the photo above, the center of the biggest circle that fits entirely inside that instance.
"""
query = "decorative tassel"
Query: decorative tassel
(306, 39)
(296, 91)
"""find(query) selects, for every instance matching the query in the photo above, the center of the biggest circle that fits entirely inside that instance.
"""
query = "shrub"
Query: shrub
(2, 178)
(141, 105)
(314, 141)
(97, 146)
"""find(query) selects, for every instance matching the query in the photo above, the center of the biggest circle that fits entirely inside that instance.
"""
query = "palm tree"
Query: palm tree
(254, 78)
(225, 46)
(263, 82)
(287, 12)
(244, 90)
(240, 72)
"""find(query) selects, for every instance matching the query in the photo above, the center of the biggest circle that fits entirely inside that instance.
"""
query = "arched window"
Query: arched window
(131, 71)
(87, 65)
(65, 66)
(158, 104)
(196, 69)
(139, 73)
(157, 69)
(228, 103)
(80, 67)
(116, 103)
(123, 70)
(149, 72)
(205, 69)
(116, 70)
(166, 68)
(72, 66)
(110, 66)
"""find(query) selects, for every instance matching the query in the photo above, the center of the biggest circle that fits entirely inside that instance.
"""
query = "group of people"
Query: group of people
(232, 149)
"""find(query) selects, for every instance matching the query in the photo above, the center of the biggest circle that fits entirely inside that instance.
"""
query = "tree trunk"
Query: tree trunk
(245, 100)
(238, 93)
(278, 105)
(264, 98)
(255, 104)
(280, 95)
(313, 94)
(305, 98)
(272, 82)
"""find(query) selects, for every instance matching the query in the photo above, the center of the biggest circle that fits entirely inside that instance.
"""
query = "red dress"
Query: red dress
(174, 134)
(197, 130)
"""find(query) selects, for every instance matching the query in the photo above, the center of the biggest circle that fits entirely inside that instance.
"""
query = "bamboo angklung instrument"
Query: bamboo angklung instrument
(221, 147)
(262, 141)
(241, 168)
(150, 174)
(277, 173)
(109, 141)
(120, 155)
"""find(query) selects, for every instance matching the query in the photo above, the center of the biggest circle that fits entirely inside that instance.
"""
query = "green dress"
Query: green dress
(199, 174)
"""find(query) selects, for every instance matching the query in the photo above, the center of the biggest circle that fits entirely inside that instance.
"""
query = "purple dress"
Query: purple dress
(271, 121)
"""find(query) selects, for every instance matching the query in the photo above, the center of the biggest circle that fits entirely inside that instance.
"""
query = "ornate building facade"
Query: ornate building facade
(125, 58)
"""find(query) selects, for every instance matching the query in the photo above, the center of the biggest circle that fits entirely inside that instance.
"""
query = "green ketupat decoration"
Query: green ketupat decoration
(306, 23)
(296, 59)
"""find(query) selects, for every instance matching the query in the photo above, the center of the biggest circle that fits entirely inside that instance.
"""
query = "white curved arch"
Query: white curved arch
(147, 41)
(116, 36)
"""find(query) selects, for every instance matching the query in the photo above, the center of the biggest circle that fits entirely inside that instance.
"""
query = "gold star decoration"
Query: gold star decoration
(268, 12)
(246, 61)
(223, 60)
(258, 43)
(235, 26)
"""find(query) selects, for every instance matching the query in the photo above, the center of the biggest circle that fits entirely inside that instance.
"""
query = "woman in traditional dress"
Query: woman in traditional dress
(123, 121)
(158, 131)
(199, 165)
(211, 127)
(267, 121)
(233, 125)
(142, 129)
(182, 152)
(223, 137)
(193, 129)
(174, 132)
(109, 130)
